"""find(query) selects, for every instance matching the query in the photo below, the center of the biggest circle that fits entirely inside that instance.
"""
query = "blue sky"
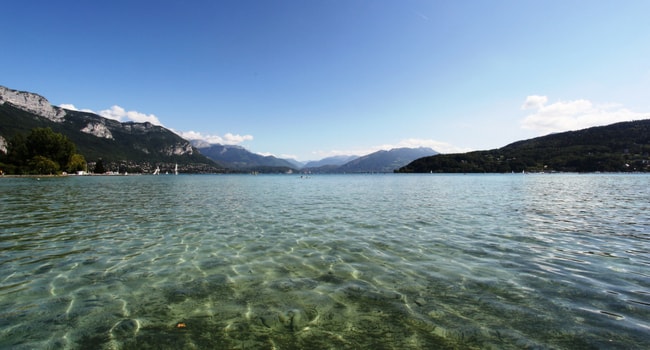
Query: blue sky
(309, 79)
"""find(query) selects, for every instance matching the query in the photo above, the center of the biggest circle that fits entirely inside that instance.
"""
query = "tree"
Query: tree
(77, 163)
(99, 167)
(17, 152)
(43, 165)
(45, 142)
(43, 152)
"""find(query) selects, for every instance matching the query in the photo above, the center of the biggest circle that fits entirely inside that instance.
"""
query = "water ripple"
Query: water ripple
(388, 261)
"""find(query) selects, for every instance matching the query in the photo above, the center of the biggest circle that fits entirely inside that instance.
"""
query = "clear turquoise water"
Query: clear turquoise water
(338, 262)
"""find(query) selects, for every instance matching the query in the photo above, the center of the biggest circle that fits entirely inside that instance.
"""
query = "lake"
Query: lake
(395, 261)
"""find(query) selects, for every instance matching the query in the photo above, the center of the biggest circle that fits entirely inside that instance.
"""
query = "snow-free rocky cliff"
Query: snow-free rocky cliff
(39, 105)
(3, 145)
(31, 102)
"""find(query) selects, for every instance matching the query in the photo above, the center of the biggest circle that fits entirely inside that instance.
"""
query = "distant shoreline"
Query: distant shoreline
(29, 176)
(13, 176)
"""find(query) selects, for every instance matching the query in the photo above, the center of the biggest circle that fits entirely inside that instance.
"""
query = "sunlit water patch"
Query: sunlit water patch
(340, 262)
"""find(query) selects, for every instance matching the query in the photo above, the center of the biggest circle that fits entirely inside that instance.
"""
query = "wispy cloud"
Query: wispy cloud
(422, 16)
(572, 115)
(227, 139)
(118, 113)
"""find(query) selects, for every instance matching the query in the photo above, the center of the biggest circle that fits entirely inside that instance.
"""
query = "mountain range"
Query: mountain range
(132, 147)
(240, 159)
(142, 147)
(376, 162)
(329, 161)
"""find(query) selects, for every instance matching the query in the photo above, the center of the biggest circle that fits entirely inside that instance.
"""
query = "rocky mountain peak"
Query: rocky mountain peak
(32, 103)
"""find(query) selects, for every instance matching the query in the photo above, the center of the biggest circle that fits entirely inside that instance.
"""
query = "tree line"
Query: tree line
(41, 152)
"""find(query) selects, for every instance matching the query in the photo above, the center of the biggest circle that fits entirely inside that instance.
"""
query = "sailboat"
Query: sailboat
(157, 171)
(176, 169)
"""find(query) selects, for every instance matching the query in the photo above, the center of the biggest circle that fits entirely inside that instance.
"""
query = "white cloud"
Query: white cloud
(115, 113)
(120, 114)
(72, 107)
(534, 101)
(231, 139)
(573, 115)
(227, 139)
(141, 117)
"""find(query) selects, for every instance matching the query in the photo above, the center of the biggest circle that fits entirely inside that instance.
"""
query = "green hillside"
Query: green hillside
(620, 147)
(136, 147)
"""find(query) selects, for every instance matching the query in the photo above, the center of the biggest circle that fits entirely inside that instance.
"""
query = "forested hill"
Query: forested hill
(132, 147)
(620, 147)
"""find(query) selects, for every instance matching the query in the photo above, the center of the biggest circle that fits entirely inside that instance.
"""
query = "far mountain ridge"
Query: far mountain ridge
(238, 158)
(384, 161)
(334, 160)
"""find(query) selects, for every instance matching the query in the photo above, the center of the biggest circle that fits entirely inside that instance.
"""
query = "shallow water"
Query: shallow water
(338, 261)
